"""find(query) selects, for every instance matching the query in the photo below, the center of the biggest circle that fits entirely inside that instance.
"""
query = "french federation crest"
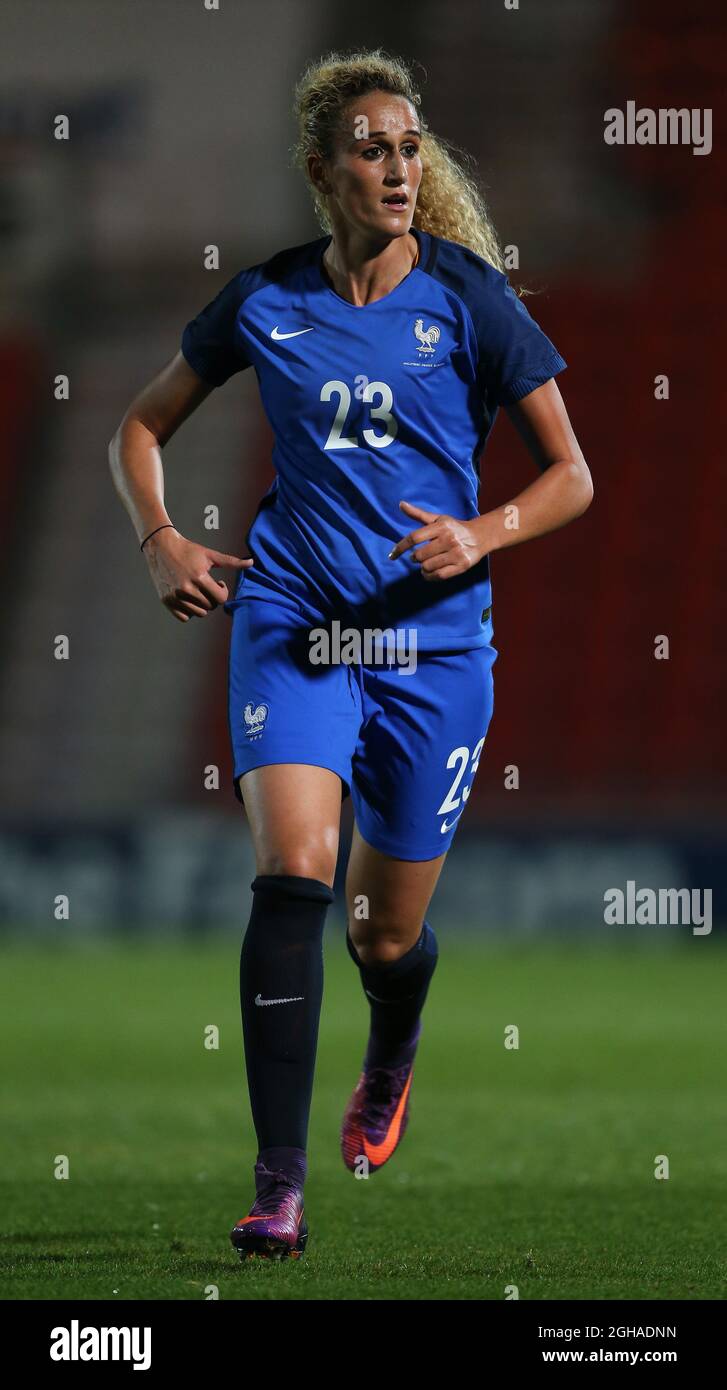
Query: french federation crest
(426, 337)
(255, 719)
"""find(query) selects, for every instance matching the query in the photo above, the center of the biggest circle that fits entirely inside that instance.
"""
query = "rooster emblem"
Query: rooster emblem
(426, 337)
(255, 719)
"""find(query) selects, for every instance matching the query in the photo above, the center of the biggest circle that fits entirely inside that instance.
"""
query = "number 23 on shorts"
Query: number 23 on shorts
(456, 799)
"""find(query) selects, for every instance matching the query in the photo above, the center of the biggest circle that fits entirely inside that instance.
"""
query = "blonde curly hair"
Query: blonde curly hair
(449, 202)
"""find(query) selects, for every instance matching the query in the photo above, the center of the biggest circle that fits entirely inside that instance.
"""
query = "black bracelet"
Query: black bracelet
(163, 527)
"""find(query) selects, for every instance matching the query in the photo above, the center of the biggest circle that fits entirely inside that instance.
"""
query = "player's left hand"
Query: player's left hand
(448, 546)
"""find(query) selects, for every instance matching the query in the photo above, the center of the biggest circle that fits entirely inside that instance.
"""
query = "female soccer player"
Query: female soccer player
(361, 643)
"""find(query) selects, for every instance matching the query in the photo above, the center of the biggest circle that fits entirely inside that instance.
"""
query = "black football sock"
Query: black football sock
(281, 989)
(396, 991)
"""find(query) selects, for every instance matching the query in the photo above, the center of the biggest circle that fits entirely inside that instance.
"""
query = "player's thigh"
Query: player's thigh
(294, 812)
(293, 727)
(386, 900)
(419, 747)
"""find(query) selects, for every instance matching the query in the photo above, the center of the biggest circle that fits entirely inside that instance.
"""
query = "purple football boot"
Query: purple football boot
(376, 1117)
(275, 1227)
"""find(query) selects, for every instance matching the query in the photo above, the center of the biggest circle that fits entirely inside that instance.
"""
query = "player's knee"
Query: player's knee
(383, 939)
(303, 861)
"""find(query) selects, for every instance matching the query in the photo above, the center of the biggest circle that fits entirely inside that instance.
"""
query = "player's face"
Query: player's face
(374, 175)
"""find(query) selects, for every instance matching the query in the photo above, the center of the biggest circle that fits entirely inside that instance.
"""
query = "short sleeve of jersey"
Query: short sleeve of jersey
(515, 356)
(211, 342)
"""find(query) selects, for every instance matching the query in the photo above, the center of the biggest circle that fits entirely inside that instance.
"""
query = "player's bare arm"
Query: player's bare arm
(179, 568)
(562, 493)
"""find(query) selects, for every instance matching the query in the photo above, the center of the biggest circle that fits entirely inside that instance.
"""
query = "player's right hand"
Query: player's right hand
(180, 571)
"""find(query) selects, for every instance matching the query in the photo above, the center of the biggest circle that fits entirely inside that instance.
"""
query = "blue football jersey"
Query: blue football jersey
(369, 406)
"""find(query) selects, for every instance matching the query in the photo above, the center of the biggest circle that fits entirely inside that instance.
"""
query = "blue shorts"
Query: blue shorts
(406, 744)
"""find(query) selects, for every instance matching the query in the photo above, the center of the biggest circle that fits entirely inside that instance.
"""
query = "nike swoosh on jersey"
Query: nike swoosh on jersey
(446, 827)
(279, 336)
(293, 1000)
(378, 1153)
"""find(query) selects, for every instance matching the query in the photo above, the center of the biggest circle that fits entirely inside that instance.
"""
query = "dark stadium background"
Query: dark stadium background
(181, 131)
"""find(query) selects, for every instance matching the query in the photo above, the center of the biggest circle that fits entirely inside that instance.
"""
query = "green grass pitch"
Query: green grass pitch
(532, 1168)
